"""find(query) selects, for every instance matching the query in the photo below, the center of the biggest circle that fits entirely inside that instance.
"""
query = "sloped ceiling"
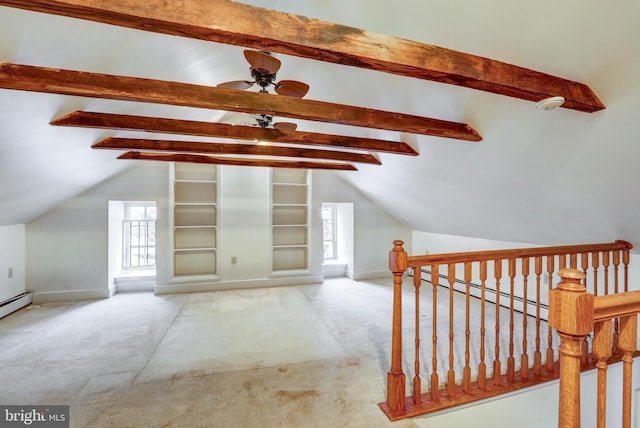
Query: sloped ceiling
(542, 177)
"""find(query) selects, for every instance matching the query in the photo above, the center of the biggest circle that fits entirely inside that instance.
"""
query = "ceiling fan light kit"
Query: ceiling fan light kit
(550, 103)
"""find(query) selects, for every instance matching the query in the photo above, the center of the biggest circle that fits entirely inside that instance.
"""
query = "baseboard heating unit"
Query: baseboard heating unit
(14, 303)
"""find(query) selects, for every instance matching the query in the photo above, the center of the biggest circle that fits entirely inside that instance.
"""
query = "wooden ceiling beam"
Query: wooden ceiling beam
(85, 119)
(230, 22)
(192, 158)
(198, 147)
(96, 85)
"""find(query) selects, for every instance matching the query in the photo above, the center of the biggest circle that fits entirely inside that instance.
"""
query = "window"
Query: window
(329, 231)
(139, 236)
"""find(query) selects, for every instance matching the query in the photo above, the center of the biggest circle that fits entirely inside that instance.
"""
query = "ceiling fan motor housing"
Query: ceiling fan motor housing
(263, 78)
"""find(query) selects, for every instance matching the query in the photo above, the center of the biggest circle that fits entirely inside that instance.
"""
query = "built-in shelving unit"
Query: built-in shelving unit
(195, 195)
(290, 219)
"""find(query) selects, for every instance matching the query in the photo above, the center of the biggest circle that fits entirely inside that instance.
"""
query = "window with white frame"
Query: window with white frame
(329, 231)
(139, 236)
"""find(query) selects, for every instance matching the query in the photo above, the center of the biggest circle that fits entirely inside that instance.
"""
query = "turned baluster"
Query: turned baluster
(616, 266)
(628, 345)
(497, 367)
(451, 374)
(625, 261)
(524, 358)
(482, 366)
(537, 355)
(395, 377)
(595, 262)
(466, 377)
(584, 359)
(605, 264)
(435, 280)
(550, 357)
(573, 261)
(571, 311)
(511, 361)
(602, 351)
(417, 382)
(616, 322)
(584, 259)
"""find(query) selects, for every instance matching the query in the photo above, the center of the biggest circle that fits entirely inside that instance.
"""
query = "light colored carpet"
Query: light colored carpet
(307, 356)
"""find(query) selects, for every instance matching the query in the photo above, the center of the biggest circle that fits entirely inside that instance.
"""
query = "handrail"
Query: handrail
(428, 259)
(617, 305)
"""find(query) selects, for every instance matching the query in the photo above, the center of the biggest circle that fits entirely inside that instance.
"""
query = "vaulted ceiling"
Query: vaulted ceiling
(547, 177)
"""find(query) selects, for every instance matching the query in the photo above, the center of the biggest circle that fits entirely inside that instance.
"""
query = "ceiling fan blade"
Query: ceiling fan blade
(291, 88)
(238, 118)
(262, 61)
(236, 84)
(285, 126)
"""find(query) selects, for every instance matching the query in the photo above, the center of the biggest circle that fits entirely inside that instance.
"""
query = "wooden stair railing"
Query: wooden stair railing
(496, 359)
(574, 313)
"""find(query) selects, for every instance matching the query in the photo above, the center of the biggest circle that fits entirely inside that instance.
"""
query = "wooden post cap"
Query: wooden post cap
(571, 308)
(571, 280)
(398, 258)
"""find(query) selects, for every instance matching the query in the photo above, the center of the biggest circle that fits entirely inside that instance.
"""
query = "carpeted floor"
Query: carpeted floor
(307, 356)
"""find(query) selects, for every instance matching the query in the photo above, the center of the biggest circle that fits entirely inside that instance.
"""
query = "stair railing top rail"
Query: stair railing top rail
(616, 305)
(430, 259)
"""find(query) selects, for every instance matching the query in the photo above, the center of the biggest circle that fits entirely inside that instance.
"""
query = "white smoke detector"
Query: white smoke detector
(550, 103)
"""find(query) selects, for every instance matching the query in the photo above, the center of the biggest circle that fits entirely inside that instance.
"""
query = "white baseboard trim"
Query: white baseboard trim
(196, 287)
(363, 276)
(15, 303)
(67, 296)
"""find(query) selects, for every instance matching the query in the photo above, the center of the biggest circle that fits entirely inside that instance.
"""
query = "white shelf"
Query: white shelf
(195, 172)
(186, 250)
(195, 181)
(194, 204)
(194, 262)
(290, 220)
(195, 221)
(289, 258)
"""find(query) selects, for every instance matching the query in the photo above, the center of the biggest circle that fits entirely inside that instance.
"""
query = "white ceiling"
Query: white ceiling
(541, 177)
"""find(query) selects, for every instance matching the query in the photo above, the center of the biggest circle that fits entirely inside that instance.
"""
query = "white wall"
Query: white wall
(374, 229)
(12, 256)
(114, 264)
(436, 243)
(345, 232)
(67, 248)
(244, 231)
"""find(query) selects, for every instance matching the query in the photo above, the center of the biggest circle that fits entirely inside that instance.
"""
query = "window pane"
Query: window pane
(139, 236)
(329, 231)
(328, 250)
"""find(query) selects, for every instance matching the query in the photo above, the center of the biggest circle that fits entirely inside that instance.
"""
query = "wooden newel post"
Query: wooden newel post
(395, 377)
(571, 311)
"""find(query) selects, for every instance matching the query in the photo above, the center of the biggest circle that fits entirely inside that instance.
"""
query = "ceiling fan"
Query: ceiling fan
(264, 67)
(257, 120)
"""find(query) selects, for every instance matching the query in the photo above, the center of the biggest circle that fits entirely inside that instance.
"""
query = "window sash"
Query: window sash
(139, 244)
(329, 231)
